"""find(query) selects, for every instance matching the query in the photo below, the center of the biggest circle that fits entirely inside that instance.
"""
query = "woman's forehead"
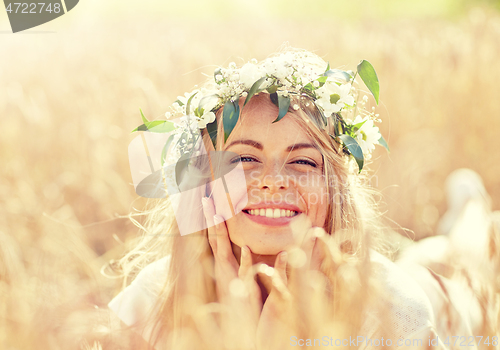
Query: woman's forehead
(258, 125)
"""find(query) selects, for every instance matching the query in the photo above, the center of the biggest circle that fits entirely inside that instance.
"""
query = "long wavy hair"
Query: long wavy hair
(188, 314)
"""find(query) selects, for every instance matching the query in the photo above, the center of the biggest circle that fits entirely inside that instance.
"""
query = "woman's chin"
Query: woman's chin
(266, 245)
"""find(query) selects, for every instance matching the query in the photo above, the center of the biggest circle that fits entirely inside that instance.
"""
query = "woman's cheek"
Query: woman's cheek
(316, 200)
(236, 198)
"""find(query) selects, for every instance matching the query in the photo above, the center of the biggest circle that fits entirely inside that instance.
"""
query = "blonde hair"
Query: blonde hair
(189, 312)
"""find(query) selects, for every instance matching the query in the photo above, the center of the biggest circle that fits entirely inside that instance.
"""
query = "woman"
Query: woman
(290, 260)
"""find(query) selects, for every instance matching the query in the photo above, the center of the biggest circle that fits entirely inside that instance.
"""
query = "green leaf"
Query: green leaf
(327, 67)
(159, 126)
(336, 127)
(165, 149)
(322, 79)
(230, 116)
(144, 119)
(383, 142)
(308, 87)
(272, 89)
(283, 105)
(188, 104)
(255, 87)
(212, 131)
(179, 102)
(369, 76)
(354, 149)
(359, 125)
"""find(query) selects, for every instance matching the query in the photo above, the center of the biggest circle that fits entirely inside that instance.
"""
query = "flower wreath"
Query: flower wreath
(300, 73)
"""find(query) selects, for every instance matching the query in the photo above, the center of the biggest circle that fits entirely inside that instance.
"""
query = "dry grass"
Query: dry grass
(68, 101)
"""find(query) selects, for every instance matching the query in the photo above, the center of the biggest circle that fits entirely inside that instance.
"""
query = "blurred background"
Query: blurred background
(70, 93)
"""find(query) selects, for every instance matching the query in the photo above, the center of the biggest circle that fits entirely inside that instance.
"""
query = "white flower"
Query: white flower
(208, 102)
(368, 135)
(207, 118)
(249, 74)
(332, 97)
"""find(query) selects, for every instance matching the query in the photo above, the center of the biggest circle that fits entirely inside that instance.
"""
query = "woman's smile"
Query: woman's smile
(277, 214)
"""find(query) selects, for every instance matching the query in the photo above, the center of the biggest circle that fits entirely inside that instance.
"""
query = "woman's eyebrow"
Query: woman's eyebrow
(259, 146)
(299, 146)
(247, 142)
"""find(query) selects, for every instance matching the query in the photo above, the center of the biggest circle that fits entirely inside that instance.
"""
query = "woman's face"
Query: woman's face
(284, 179)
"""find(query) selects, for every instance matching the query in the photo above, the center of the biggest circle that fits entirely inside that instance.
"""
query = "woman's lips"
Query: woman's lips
(268, 221)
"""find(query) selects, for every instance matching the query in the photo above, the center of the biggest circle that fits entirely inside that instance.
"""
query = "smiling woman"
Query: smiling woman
(297, 259)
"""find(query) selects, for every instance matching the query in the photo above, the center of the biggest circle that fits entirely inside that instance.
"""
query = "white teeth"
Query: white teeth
(272, 213)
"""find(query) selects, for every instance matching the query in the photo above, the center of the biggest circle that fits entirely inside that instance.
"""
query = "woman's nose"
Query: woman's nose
(273, 178)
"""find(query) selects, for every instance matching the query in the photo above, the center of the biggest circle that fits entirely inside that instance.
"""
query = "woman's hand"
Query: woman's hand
(292, 299)
(236, 286)
(269, 325)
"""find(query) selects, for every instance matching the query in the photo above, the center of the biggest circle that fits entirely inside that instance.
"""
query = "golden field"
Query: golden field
(70, 96)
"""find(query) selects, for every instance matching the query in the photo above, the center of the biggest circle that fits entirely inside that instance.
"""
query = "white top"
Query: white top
(411, 311)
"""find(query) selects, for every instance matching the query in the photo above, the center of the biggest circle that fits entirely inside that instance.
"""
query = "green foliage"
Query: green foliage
(254, 89)
(188, 104)
(369, 76)
(283, 105)
(230, 116)
(354, 149)
(159, 126)
(383, 142)
(212, 131)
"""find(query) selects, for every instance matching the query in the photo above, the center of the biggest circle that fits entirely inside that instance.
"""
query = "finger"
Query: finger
(245, 270)
(280, 266)
(224, 249)
(320, 249)
(280, 279)
(209, 212)
(309, 242)
(247, 273)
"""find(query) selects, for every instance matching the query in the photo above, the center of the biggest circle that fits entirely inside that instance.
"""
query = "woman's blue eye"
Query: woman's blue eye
(246, 159)
(305, 162)
(243, 159)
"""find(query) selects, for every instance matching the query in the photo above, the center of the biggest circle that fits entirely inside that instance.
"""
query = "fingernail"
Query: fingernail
(283, 256)
(218, 220)
(313, 239)
(244, 252)
(204, 201)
